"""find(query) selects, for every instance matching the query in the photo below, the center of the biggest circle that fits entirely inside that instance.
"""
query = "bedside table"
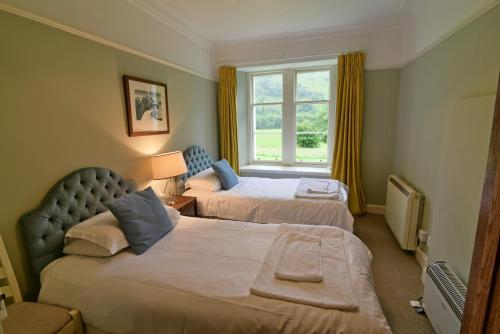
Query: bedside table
(186, 205)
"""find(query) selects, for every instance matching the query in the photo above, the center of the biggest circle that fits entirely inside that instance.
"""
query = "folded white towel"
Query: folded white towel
(334, 292)
(315, 189)
(319, 187)
(312, 191)
(300, 258)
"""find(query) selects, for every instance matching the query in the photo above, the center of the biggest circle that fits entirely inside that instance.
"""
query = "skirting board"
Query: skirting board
(422, 261)
(375, 209)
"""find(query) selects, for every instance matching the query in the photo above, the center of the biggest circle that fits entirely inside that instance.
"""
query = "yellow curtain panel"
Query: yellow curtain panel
(349, 120)
(228, 128)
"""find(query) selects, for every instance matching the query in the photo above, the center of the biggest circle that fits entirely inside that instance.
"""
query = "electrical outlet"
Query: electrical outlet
(415, 303)
(422, 235)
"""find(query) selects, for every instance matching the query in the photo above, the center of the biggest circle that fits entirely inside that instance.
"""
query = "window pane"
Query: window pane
(267, 132)
(268, 88)
(313, 86)
(312, 132)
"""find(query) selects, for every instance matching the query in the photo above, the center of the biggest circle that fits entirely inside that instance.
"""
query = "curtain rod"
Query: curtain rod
(285, 59)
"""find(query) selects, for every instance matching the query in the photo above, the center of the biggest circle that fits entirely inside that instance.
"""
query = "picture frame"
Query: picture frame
(147, 106)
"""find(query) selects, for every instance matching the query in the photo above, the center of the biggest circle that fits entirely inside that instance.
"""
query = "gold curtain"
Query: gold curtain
(349, 120)
(228, 128)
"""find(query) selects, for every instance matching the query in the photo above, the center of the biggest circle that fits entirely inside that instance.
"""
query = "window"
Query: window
(312, 106)
(267, 113)
(291, 116)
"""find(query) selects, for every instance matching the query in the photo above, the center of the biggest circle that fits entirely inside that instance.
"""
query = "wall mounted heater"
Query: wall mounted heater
(403, 211)
(444, 298)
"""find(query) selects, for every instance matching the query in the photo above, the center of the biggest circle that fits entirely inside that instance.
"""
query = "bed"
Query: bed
(263, 200)
(196, 279)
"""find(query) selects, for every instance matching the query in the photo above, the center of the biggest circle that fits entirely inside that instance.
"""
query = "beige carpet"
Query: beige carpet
(397, 276)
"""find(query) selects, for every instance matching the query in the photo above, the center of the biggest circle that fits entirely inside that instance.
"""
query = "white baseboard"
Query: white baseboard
(421, 257)
(422, 261)
(375, 209)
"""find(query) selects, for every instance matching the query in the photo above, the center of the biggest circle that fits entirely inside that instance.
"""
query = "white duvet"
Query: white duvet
(196, 280)
(262, 200)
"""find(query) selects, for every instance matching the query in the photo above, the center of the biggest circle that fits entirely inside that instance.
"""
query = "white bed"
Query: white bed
(196, 280)
(263, 200)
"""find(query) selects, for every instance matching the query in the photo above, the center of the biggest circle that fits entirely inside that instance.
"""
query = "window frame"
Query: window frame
(288, 114)
(251, 120)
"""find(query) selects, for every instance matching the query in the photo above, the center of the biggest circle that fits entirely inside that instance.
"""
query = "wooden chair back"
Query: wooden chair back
(8, 281)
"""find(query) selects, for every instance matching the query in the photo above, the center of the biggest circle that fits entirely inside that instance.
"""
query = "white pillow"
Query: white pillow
(87, 248)
(101, 235)
(205, 180)
(174, 214)
(102, 231)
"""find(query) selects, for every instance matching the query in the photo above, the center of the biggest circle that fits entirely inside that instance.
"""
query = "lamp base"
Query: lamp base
(169, 199)
(170, 191)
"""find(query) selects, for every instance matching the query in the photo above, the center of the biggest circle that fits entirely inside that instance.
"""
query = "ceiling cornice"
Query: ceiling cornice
(100, 40)
(319, 45)
(315, 34)
(407, 9)
(390, 26)
(172, 23)
(481, 10)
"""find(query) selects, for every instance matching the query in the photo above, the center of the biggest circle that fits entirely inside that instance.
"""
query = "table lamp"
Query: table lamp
(169, 166)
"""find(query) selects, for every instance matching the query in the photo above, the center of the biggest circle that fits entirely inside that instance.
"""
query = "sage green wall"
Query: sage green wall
(63, 108)
(379, 132)
(242, 111)
(443, 128)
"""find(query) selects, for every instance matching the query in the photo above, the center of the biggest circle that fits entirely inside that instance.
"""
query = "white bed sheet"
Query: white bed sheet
(196, 280)
(262, 200)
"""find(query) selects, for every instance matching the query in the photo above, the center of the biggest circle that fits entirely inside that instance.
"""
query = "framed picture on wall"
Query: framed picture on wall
(147, 106)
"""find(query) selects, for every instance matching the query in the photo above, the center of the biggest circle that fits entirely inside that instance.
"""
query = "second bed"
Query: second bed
(264, 200)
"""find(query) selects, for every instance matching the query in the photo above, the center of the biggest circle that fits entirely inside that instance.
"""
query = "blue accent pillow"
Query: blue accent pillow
(226, 174)
(143, 219)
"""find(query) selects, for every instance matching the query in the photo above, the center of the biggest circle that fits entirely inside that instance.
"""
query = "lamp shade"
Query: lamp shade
(168, 165)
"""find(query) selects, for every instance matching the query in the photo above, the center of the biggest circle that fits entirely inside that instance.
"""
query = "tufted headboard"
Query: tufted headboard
(197, 160)
(78, 196)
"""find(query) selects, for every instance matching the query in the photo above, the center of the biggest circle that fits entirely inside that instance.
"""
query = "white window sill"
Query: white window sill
(292, 171)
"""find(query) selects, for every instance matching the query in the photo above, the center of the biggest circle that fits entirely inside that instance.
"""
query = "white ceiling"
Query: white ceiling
(197, 35)
(222, 21)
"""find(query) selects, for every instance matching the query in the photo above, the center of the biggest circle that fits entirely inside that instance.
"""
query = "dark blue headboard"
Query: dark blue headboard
(197, 159)
(77, 197)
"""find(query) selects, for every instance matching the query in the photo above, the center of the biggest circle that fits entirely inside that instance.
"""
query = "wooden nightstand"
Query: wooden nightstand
(186, 205)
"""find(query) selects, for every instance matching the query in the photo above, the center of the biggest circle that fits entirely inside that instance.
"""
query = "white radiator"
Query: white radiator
(403, 210)
(444, 299)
